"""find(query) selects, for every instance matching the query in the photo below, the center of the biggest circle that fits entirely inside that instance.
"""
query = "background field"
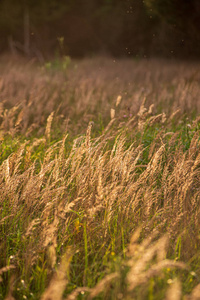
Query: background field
(99, 179)
(79, 28)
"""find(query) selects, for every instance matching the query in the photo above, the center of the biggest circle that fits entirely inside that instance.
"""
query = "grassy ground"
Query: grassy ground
(99, 179)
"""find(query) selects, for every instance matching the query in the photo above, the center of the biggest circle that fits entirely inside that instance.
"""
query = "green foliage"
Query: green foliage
(59, 64)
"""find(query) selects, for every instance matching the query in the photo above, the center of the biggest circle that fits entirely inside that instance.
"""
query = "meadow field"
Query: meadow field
(99, 179)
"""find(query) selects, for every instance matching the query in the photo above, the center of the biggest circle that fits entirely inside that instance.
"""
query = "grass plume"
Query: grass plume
(97, 201)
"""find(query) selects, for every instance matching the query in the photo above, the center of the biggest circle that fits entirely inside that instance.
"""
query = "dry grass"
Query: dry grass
(89, 88)
(99, 189)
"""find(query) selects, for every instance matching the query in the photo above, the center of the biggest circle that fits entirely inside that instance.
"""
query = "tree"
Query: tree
(25, 16)
(183, 14)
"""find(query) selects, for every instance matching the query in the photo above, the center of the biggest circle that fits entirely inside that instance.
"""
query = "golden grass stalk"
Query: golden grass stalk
(48, 126)
(19, 118)
(174, 291)
(142, 256)
(6, 269)
(195, 294)
(118, 101)
(95, 291)
(112, 113)
(51, 256)
(11, 289)
(101, 286)
(76, 292)
(60, 279)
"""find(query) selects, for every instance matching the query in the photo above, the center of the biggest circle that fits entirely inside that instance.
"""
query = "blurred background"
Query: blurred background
(120, 28)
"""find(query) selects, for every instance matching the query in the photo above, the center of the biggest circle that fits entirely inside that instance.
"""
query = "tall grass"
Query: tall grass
(99, 181)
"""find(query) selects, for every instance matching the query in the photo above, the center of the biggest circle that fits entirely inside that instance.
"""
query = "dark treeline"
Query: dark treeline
(42, 28)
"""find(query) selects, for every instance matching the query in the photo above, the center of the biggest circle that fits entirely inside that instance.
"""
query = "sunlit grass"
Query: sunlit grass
(100, 181)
